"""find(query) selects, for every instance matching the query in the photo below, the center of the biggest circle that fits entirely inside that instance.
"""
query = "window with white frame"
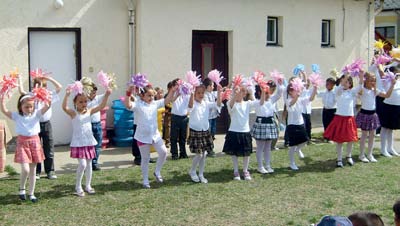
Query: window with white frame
(326, 33)
(272, 31)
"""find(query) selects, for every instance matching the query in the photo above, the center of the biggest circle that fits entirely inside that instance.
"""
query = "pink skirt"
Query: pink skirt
(29, 150)
(87, 152)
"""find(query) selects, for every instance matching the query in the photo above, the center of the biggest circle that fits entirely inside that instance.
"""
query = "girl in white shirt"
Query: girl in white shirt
(343, 127)
(297, 134)
(29, 150)
(238, 138)
(147, 134)
(200, 139)
(264, 129)
(367, 119)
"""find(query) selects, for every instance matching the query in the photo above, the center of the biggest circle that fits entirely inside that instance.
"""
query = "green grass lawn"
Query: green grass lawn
(282, 198)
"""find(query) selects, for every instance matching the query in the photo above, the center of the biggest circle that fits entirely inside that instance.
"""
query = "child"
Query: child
(367, 119)
(272, 89)
(396, 212)
(147, 133)
(167, 119)
(238, 139)
(29, 151)
(200, 139)
(83, 142)
(328, 101)
(297, 134)
(179, 125)
(343, 127)
(46, 130)
(211, 96)
(264, 129)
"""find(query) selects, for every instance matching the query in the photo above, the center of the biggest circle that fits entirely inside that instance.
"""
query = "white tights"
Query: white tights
(387, 140)
(28, 170)
(199, 159)
(235, 160)
(85, 166)
(263, 147)
(145, 154)
(339, 149)
(371, 135)
(292, 150)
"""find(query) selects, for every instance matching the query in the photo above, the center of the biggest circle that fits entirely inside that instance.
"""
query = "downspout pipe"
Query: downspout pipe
(132, 42)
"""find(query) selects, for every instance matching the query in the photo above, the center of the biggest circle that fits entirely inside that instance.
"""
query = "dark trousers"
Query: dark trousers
(178, 131)
(135, 148)
(98, 135)
(327, 116)
(307, 124)
(46, 135)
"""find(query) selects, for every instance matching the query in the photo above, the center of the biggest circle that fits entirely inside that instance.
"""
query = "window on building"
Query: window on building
(387, 32)
(272, 31)
(326, 33)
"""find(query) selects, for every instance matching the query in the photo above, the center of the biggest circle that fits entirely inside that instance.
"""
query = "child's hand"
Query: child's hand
(67, 91)
(108, 92)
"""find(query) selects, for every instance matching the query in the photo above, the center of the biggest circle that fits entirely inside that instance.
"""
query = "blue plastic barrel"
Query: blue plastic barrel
(123, 125)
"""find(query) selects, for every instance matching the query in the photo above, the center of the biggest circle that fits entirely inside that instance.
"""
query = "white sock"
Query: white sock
(246, 161)
(292, 150)
(267, 153)
(235, 164)
(389, 138)
(383, 140)
(339, 149)
(144, 164)
(349, 149)
(162, 156)
(362, 142)
(79, 174)
(371, 140)
(88, 173)
(195, 162)
(202, 164)
(259, 152)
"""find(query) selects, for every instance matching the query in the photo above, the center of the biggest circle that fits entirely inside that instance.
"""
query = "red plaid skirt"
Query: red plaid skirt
(342, 129)
(29, 150)
(87, 152)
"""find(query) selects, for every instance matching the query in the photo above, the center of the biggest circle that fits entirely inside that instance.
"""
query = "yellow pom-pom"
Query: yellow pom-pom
(380, 44)
(395, 53)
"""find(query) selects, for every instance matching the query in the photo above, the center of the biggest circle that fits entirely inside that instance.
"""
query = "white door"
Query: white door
(54, 52)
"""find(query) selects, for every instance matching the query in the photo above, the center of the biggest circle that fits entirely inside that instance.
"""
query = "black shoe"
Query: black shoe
(174, 157)
(22, 195)
(152, 161)
(211, 154)
(96, 168)
(183, 156)
(33, 198)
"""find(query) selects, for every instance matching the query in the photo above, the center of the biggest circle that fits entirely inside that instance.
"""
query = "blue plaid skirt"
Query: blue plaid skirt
(264, 129)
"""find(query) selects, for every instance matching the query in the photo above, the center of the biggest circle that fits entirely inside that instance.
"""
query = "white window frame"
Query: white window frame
(275, 34)
(328, 33)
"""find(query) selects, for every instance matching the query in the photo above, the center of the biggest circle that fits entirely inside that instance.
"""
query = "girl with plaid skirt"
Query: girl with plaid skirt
(82, 142)
(343, 127)
(200, 140)
(264, 129)
(29, 151)
(367, 119)
(297, 135)
(238, 139)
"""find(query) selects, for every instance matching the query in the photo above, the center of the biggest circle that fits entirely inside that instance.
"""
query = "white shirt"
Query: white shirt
(94, 103)
(295, 116)
(211, 97)
(54, 99)
(368, 99)
(346, 100)
(328, 98)
(146, 120)
(180, 105)
(306, 94)
(374, 69)
(82, 135)
(394, 98)
(240, 116)
(199, 115)
(27, 125)
(269, 107)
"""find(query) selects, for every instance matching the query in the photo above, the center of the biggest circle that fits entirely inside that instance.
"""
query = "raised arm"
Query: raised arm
(314, 92)
(262, 98)
(20, 86)
(55, 83)
(3, 108)
(235, 95)
(102, 104)
(191, 101)
(64, 105)
(129, 97)
(171, 97)
(389, 92)
(45, 107)
(219, 101)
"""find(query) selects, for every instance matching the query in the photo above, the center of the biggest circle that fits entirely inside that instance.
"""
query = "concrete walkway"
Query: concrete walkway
(121, 157)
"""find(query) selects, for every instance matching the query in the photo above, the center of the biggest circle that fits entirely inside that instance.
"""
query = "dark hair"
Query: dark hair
(257, 94)
(271, 84)
(145, 89)
(19, 104)
(366, 219)
(207, 82)
(396, 210)
(331, 80)
(202, 86)
(349, 78)
(174, 82)
(40, 81)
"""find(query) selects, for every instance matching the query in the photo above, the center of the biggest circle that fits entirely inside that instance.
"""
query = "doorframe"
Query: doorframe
(78, 56)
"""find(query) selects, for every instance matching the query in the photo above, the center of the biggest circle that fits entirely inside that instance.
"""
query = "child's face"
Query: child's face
(28, 106)
(92, 94)
(210, 87)
(148, 96)
(346, 83)
(370, 83)
(293, 93)
(80, 102)
(329, 85)
(160, 94)
(199, 94)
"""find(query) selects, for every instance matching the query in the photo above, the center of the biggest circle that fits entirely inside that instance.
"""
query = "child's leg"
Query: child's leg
(384, 142)
(32, 178)
(162, 156)
(348, 155)
(246, 161)
(202, 165)
(235, 164)
(371, 138)
(292, 150)
(259, 153)
(364, 134)
(23, 177)
(88, 174)
(339, 150)
(390, 147)
(267, 153)
(79, 174)
(195, 162)
(144, 165)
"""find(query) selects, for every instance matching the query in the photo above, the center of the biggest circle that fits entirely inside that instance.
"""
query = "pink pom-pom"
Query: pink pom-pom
(122, 98)
(76, 88)
(297, 85)
(264, 86)
(7, 84)
(316, 79)
(103, 79)
(38, 73)
(389, 77)
(215, 76)
(277, 76)
(42, 94)
(382, 59)
(258, 76)
(184, 88)
(225, 95)
(192, 79)
(354, 68)
(237, 80)
(138, 80)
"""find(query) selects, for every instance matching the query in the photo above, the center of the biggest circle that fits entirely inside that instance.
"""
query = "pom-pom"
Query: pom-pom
(106, 80)
(382, 59)
(264, 86)
(277, 76)
(237, 80)
(38, 73)
(315, 68)
(226, 94)
(258, 76)
(395, 53)
(215, 76)
(334, 73)
(41, 94)
(76, 88)
(379, 45)
(192, 79)
(354, 68)
(315, 79)
(7, 84)
(297, 85)
(299, 68)
(389, 77)
(122, 98)
(138, 80)
(184, 88)
(14, 73)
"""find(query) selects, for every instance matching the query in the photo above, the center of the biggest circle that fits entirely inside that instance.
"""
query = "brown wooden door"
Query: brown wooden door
(210, 51)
